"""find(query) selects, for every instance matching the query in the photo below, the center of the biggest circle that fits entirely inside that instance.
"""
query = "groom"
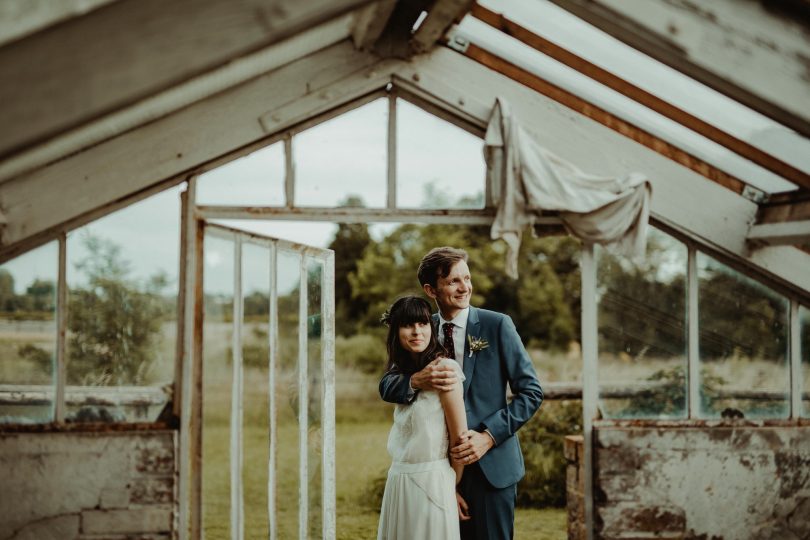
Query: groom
(491, 355)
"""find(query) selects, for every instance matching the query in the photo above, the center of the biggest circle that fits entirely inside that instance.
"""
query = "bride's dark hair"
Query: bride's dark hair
(405, 311)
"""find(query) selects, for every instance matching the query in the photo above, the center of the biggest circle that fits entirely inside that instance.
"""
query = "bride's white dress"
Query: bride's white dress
(419, 500)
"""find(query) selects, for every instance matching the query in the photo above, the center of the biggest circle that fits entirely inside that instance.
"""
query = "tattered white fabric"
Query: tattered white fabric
(527, 179)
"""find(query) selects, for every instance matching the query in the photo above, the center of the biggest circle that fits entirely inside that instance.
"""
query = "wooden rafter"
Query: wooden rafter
(620, 23)
(604, 117)
(443, 14)
(129, 50)
(641, 96)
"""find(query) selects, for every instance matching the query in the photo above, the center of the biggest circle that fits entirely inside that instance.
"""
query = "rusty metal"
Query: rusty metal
(605, 118)
(581, 65)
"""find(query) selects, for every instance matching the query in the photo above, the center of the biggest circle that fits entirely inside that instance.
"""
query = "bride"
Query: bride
(420, 499)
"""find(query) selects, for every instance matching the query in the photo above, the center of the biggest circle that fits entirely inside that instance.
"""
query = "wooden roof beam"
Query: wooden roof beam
(742, 148)
(681, 35)
(441, 16)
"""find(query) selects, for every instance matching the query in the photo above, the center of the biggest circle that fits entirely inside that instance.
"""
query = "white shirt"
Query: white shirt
(459, 333)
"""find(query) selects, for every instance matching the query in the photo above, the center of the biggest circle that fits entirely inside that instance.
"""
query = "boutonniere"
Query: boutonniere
(477, 344)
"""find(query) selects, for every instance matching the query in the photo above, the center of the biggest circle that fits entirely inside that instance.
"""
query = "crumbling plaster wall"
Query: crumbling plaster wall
(710, 482)
(65, 486)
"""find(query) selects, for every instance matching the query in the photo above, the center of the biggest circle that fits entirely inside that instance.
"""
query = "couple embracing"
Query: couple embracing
(456, 456)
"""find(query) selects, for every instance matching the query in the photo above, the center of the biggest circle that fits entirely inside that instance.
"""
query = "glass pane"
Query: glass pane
(217, 380)
(255, 361)
(315, 390)
(439, 165)
(344, 157)
(122, 280)
(743, 345)
(287, 457)
(28, 336)
(253, 180)
(642, 331)
(804, 318)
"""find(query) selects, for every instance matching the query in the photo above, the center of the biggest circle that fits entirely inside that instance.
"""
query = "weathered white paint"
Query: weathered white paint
(71, 484)
(303, 400)
(781, 234)
(391, 200)
(62, 79)
(19, 19)
(795, 352)
(442, 14)
(693, 333)
(712, 482)
(370, 23)
(187, 512)
(61, 331)
(743, 42)
(327, 397)
(590, 382)
(272, 351)
(178, 96)
(237, 403)
(129, 162)
(328, 484)
(682, 199)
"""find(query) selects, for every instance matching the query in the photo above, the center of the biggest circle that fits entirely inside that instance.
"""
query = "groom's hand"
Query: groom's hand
(463, 509)
(472, 447)
(434, 377)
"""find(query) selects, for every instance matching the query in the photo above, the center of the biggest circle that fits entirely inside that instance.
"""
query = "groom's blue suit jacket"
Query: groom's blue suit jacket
(488, 371)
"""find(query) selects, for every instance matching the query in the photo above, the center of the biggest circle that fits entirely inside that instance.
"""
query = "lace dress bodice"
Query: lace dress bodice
(419, 433)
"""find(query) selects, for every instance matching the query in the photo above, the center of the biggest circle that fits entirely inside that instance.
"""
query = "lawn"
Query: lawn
(363, 423)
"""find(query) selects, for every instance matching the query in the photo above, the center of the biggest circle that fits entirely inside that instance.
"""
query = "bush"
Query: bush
(541, 439)
(364, 352)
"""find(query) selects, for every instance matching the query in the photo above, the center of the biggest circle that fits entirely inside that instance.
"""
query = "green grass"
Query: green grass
(363, 423)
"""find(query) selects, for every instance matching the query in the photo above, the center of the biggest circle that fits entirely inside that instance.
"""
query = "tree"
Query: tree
(349, 243)
(114, 321)
(537, 301)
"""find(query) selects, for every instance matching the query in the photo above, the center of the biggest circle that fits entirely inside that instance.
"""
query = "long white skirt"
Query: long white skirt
(419, 502)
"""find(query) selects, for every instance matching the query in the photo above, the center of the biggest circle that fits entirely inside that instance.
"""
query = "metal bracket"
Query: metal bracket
(754, 194)
(456, 41)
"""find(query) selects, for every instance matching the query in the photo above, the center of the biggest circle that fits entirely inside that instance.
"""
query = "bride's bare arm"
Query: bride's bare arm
(456, 418)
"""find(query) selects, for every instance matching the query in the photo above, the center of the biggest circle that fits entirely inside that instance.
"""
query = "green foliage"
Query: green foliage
(538, 302)
(542, 439)
(42, 359)
(364, 352)
(349, 243)
(114, 321)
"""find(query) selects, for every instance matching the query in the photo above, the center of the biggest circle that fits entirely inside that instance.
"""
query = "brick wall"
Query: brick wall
(711, 482)
(83, 486)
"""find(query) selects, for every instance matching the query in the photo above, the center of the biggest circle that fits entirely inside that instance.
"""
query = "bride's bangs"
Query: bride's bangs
(413, 310)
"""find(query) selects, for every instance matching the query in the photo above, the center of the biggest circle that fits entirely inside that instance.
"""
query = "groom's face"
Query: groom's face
(452, 292)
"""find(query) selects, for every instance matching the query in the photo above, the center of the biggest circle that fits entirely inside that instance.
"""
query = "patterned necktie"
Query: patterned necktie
(447, 328)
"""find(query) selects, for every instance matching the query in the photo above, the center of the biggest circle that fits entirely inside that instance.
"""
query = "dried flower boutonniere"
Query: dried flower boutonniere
(477, 344)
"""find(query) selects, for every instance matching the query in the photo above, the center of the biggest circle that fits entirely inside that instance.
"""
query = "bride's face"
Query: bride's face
(415, 337)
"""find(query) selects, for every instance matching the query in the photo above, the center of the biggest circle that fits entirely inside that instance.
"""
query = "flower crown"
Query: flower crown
(385, 318)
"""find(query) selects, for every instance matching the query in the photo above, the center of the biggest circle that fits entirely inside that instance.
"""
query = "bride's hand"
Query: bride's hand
(463, 509)
(435, 377)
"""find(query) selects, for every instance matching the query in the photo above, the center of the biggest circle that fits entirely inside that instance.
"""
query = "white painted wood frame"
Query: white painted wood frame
(590, 379)
(304, 255)
(795, 351)
(693, 334)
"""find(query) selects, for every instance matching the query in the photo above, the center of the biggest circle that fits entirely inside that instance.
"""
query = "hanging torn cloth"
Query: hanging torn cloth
(527, 179)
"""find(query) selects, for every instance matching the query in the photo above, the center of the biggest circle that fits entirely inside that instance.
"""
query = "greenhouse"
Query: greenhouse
(205, 207)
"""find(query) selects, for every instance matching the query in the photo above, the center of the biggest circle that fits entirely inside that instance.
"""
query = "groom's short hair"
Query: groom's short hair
(437, 263)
